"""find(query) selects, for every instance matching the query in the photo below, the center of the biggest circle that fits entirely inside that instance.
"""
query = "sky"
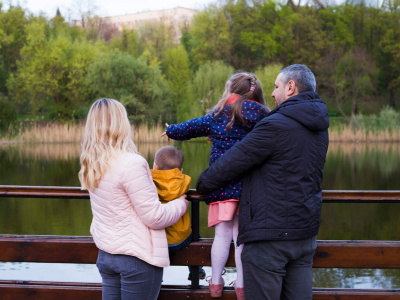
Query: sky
(69, 8)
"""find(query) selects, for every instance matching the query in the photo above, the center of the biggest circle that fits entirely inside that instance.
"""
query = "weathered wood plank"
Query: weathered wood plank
(60, 291)
(50, 249)
(48, 292)
(64, 249)
(355, 294)
(345, 196)
(328, 196)
(357, 254)
(43, 192)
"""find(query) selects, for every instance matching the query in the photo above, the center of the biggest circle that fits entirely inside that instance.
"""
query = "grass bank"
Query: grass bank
(381, 127)
(54, 132)
(350, 135)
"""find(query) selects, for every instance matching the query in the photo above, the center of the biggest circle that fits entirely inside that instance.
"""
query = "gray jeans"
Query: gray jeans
(127, 277)
(274, 269)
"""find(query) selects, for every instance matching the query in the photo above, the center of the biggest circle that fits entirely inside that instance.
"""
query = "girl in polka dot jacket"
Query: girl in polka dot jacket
(242, 105)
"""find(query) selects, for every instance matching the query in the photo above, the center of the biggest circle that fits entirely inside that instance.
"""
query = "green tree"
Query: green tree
(186, 42)
(256, 31)
(51, 71)
(391, 60)
(348, 78)
(155, 39)
(309, 42)
(127, 41)
(206, 88)
(274, 23)
(8, 114)
(267, 77)
(210, 36)
(138, 86)
(333, 21)
(12, 39)
(390, 49)
(177, 71)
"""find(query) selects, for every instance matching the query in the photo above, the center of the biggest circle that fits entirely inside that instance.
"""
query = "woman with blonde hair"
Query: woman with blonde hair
(128, 218)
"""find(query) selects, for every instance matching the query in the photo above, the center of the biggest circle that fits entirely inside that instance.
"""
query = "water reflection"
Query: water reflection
(356, 278)
(363, 166)
(348, 166)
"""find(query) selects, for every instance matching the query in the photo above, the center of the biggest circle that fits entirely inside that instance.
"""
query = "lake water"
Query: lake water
(348, 167)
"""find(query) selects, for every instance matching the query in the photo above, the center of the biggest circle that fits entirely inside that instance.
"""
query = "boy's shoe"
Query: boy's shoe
(202, 274)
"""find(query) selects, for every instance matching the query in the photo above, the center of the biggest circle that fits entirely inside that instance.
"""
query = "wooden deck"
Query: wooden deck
(76, 249)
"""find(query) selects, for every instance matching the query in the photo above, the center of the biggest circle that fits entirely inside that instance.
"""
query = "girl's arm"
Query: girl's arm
(193, 128)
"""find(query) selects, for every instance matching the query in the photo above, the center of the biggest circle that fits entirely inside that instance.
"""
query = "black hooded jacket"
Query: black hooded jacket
(282, 159)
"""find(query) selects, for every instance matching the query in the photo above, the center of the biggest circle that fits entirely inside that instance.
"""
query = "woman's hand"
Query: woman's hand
(165, 133)
(183, 197)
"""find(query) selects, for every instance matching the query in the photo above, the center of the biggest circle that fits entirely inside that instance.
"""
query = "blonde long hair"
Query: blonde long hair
(107, 134)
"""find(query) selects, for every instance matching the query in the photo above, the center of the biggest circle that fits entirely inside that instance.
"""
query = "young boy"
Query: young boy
(171, 183)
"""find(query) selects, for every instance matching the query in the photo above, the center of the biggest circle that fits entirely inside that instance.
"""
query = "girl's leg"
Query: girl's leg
(238, 253)
(220, 249)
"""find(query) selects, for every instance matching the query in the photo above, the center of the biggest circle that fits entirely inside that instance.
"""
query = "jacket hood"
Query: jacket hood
(307, 109)
(171, 184)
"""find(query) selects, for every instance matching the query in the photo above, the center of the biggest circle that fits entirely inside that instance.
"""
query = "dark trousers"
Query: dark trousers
(276, 270)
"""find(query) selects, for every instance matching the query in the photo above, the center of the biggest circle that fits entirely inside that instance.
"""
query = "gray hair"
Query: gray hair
(301, 75)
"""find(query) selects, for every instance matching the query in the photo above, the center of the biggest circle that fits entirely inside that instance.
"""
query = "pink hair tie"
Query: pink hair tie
(252, 85)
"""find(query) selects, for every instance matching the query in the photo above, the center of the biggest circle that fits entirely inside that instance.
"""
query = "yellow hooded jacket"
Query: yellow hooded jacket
(172, 184)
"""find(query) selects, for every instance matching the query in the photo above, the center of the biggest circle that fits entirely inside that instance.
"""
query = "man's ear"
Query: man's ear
(155, 166)
(291, 89)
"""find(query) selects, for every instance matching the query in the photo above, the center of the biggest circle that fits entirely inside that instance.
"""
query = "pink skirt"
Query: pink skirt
(222, 211)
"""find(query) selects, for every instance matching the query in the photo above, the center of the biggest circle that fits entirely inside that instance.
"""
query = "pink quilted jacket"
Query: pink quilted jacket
(128, 218)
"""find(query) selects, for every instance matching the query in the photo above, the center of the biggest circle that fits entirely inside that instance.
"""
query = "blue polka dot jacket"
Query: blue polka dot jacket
(221, 138)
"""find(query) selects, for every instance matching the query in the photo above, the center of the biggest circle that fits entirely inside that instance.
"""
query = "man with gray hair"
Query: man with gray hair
(282, 159)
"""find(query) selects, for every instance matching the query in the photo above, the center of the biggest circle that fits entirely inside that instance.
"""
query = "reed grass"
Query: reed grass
(348, 134)
(53, 132)
(65, 151)
(381, 127)
(351, 149)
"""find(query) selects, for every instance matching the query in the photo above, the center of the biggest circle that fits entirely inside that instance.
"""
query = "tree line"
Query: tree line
(53, 69)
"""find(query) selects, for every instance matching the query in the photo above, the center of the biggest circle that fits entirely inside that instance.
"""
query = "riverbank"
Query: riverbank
(349, 135)
(53, 132)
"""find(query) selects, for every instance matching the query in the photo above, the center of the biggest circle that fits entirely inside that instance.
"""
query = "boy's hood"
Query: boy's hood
(171, 184)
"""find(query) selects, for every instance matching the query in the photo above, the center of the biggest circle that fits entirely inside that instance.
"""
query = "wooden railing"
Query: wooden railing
(76, 249)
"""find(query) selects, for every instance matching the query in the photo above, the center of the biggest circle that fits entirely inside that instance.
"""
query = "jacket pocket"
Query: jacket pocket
(245, 211)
